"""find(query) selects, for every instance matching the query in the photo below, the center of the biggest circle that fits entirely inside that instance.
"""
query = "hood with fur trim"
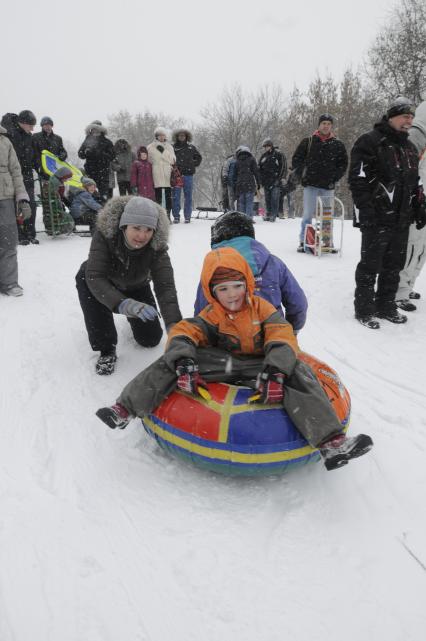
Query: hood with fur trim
(161, 130)
(182, 130)
(94, 126)
(108, 221)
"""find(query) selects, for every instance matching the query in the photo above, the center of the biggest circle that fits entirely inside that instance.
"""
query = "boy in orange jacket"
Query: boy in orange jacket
(238, 338)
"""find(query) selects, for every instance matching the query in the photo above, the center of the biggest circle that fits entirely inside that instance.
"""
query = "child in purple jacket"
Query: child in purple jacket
(141, 181)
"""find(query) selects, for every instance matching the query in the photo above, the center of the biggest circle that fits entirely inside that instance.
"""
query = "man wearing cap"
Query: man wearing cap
(319, 162)
(384, 181)
(19, 128)
(128, 250)
(273, 168)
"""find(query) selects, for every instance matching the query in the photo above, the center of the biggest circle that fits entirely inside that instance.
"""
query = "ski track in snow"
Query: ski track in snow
(103, 536)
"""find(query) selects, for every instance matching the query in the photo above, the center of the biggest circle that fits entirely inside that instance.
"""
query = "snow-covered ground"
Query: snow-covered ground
(104, 537)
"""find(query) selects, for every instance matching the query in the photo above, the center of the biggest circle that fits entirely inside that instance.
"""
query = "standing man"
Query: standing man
(98, 152)
(46, 139)
(273, 168)
(384, 181)
(320, 161)
(19, 130)
(188, 158)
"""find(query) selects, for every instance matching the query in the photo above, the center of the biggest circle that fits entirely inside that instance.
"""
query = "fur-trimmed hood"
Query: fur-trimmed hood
(161, 130)
(108, 221)
(94, 126)
(182, 130)
(121, 145)
(3, 130)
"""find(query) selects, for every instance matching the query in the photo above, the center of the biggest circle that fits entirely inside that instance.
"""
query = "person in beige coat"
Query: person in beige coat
(14, 201)
(162, 157)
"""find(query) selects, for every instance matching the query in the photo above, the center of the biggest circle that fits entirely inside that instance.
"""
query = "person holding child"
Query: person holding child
(239, 337)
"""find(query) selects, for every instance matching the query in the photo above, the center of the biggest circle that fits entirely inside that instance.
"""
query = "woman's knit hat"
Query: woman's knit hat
(140, 211)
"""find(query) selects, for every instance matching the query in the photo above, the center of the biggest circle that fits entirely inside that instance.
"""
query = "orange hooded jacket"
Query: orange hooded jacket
(255, 329)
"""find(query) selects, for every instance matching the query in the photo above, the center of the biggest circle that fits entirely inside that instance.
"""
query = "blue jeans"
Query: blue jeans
(245, 203)
(187, 198)
(310, 195)
(272, 201)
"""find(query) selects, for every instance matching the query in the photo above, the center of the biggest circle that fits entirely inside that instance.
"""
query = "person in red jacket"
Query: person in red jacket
(141, 181)
(239, 337)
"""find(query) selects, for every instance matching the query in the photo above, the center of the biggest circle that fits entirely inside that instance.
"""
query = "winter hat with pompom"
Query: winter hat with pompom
(140, 211)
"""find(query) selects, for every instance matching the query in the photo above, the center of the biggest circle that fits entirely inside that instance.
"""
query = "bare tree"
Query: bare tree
(397, 60)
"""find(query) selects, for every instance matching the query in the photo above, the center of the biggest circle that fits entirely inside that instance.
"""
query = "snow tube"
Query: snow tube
(227, 435)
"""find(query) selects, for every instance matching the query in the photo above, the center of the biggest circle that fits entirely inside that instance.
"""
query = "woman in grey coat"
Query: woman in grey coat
(128, 250)
(13, 199)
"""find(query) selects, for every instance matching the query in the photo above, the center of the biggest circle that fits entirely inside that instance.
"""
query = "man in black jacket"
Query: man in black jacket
(384, 181)
(98, 152)
(319, 161)
(19, 128)
(273, 168)
(188, 158)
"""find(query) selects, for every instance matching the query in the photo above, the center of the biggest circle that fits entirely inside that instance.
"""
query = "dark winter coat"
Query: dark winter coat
(188, 158)
(113, 268)
(53, 143)
(22, 143)
(141, 178)
(98, 152)
(320, 163)
(122, 162)
(273, 280)
(384, 178)
(247, 177)
(272, 167)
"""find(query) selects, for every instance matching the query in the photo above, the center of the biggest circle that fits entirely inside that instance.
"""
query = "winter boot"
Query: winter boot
(301, 248)
(368, 321)
(393, 316)
(13, 290)
(106, 363)
(34, 241)
(405, 304)
(340, 449)
(414, 295)
(114, 416)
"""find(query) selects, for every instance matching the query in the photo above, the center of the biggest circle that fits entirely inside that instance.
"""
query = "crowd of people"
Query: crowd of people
(249, 306)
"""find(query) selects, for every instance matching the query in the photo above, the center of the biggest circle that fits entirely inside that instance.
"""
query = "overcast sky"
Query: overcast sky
(83, 60)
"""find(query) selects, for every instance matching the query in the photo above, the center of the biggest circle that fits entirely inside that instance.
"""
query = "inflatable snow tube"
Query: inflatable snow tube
(227, 435)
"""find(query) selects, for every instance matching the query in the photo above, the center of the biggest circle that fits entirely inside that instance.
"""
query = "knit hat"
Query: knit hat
(399, 106)
(225, 275)
(267, 143)
(63, 173)
(140, 211)
(231, 225)
(27, 117)
(86, 182)
(46, 120)
(324, 117)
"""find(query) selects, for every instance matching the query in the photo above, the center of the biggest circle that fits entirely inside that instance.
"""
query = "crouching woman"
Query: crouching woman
(128, 250)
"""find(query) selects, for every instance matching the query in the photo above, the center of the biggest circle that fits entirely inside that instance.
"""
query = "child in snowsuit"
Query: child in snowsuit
(141, 181)
(57, 220)
(239, 337)
(85, 203)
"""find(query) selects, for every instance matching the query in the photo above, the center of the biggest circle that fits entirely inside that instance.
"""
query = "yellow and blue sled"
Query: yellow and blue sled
(51, 163)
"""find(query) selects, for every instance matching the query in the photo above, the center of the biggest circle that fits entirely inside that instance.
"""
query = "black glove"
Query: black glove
(189, 379)
(420, 219)
(160, 148)
(270, 386)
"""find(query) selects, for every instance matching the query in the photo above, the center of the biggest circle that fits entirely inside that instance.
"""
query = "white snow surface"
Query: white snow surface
(105, 537)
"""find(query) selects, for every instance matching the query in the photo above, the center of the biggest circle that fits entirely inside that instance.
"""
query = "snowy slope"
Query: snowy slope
(104, 537)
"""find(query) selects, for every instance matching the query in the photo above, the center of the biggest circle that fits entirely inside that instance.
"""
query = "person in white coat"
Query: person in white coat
(162, 157)
(416, 248)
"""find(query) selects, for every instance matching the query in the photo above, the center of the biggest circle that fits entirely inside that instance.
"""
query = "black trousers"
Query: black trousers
(383, 253)
(124, 188)
(167, 196)
(27, 230)
(99, 319)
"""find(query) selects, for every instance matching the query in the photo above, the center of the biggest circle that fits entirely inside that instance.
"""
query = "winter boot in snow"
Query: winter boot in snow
(414, 295)
(106, 363)
(301, 248)
(13, 290)
(340, 449)
(368, 321)
(114, 416)
(393, 316)
(405, 304)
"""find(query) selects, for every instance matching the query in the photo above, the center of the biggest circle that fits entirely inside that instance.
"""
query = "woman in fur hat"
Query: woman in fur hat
(98, 152)
(162, 157)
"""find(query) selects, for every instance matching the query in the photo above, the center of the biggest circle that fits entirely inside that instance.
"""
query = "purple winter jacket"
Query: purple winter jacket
(274, 281)
(141, 178)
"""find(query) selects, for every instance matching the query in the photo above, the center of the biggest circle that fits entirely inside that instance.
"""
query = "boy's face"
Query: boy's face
(231, 295)
(91, 189)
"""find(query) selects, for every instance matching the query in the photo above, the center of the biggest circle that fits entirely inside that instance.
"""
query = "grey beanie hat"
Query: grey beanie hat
(140, 211)
(46, 120)
(86, 181)
(63, 173)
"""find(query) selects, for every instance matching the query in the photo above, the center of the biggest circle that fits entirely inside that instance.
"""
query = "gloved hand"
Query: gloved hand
(135, 191)
(420, 219)
(134, 309)
(189, 379)
(270, 386)
(24, 210)
(160, 148)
